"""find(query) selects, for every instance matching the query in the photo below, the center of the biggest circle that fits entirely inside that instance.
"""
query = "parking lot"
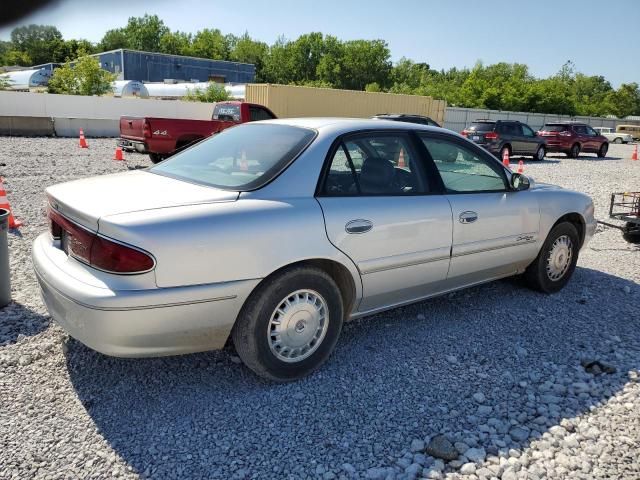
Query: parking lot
(496, 368)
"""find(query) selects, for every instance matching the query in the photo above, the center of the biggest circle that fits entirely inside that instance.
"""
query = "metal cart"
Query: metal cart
(626, 207)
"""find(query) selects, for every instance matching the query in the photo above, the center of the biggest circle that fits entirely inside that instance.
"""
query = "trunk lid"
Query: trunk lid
(85, 201)
(132, 128)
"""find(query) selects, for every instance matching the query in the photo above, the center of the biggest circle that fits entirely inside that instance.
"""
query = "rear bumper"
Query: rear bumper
(133, 145)
(558, 146)
(139, 323)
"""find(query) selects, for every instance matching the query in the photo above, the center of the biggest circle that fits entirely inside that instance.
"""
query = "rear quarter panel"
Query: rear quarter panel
(221, 242)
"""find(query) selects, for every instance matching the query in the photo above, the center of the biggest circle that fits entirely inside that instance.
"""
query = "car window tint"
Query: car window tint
(526, 130)
(374, 165)
(463, 170)
(257, 113)
(580, 129)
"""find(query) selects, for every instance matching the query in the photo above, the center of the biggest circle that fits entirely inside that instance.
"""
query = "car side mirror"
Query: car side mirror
(519, 181)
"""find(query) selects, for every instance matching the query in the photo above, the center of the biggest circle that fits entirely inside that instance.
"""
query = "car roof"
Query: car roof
(344, 125)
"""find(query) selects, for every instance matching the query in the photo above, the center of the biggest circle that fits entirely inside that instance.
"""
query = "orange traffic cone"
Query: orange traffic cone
(244, 164)
(4, 203)
(520, 166)
(505, 159)
(83, 141)
(634, 156)
(401, 162)
(118, 155)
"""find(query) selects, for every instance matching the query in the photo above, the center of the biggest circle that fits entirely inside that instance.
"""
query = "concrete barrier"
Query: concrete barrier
(26, 126)
(92, 127)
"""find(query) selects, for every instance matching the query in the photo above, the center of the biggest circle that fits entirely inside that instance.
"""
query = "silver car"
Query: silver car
(274, 233)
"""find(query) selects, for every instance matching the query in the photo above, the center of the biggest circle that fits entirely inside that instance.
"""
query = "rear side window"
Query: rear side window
(481, 127)
(554, 128)
(510, 129)
(462, 170)
(257, 113)
(382, 164)
(580, 129)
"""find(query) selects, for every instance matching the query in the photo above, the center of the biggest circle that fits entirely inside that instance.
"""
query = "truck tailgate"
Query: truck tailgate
(131, 128)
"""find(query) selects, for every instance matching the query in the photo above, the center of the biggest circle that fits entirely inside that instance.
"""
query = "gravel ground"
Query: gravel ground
(490, 378)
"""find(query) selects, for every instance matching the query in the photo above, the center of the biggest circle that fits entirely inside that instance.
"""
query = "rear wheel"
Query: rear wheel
(290, 325)
(556, 261)
(156, 157)
(540, 153)
(631, 233)
(604, 148)
(575, 151)
(617, 140)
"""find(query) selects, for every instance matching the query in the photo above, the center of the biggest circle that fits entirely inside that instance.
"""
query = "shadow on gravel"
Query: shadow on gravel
(407, 374)
(16, 320)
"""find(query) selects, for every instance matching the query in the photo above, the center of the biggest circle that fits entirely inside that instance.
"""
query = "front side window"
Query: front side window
(463, 170)
(242, 158)
(526, 130)
(374, 165)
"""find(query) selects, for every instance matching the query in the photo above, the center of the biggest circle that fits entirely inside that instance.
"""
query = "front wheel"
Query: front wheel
(556, 261)
(631, 233)
(290, 325)
(540, 153)
(604, 148)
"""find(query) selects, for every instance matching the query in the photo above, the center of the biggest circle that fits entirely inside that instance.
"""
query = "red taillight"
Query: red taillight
(114, 257)
(491, 135)
(464, 133)
(146, 129)
(96, 251)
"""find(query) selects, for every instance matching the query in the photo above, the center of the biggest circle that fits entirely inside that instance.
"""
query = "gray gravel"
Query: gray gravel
(497, 369)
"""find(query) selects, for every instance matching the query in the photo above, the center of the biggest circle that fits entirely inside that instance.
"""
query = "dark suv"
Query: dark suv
(405, 117)
(499, 136)
(572, 138)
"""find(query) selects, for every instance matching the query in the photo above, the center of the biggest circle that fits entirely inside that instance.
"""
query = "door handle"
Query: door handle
(358, 226)
(468, 217)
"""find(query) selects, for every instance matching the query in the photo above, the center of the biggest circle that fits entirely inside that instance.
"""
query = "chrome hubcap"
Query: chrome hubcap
(298, 326)
(559, 258)
(541, 153)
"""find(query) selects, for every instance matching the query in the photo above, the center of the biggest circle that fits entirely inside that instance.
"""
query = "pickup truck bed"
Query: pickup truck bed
(161, 137)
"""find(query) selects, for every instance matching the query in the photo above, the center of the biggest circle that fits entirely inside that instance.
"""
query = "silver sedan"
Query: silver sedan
(274, 233)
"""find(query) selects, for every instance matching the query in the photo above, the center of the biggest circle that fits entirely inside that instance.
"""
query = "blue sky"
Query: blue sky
(599, 37)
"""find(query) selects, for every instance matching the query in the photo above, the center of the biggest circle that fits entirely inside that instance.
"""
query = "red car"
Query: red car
(573, 138)
(161, 137)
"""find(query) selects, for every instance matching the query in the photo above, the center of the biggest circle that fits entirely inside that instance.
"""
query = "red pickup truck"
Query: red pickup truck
(161, 137)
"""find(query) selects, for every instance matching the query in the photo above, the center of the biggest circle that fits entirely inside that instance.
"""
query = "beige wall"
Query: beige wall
(292, 101)
(74, 106)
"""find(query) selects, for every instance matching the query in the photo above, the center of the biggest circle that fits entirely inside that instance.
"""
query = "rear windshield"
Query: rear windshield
(241, 158)
(481, 127)
(554, 128)
(230, 113)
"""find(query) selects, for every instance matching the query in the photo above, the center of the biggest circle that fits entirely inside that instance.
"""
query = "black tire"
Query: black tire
(250, 337)
(574, 152)
(536, 275)
(631, 233)
(155, 157)
(618, 140)
(602, 152)
(540, 153)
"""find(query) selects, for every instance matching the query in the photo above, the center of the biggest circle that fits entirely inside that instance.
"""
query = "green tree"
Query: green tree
(210, 43)
(71, 49)
(213, 93)
(144, 33)
(83, 77)
(363, 62)
(37, 41)
(625, 100)
(113, 40)
(247, 50)
(176, 43)
(16, 57)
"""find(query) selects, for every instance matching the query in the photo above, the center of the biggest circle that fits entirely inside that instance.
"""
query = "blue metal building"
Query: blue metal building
(158, 67)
